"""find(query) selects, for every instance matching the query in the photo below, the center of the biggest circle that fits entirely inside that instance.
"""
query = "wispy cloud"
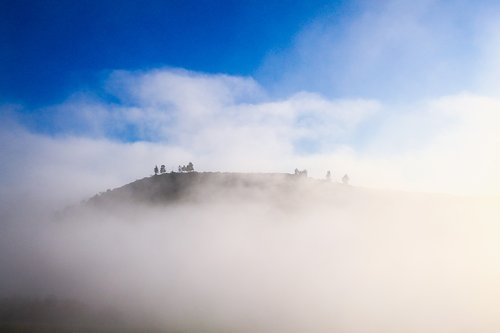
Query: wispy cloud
(392, 50)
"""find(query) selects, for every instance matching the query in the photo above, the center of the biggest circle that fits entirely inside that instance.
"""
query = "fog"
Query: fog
(284, 256)
(402, 96)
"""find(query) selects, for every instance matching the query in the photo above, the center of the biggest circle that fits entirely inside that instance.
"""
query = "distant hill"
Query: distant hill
(195, 186)
(281, 190)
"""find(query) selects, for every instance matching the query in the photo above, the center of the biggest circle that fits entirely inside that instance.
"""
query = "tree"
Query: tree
(328, 175)
(190, 167)
(302, 173)
(180, 168)
(156, 170)
(162, 169)
(345, 179)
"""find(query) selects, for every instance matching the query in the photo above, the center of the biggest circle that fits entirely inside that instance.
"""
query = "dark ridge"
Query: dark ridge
(172, 187)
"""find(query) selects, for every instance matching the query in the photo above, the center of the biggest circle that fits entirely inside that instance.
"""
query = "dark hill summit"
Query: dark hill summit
(277, 189)
(200, 186)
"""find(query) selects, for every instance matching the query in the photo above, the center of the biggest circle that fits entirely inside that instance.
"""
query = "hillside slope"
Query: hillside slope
(195, 186)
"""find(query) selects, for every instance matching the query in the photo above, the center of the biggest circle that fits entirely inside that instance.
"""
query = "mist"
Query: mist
(401, 96)
(283, 256)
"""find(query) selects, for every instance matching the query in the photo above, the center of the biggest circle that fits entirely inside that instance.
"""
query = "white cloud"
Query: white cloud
(446, 145)
(227, 123)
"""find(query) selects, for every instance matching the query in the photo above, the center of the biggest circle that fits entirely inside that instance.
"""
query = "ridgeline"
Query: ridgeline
(196, 186)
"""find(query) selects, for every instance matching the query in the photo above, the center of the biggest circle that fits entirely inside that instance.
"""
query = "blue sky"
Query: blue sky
(394, 92)
(51, 48)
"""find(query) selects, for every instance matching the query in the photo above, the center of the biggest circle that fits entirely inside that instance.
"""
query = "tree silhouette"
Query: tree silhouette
(345, 179)
(190, 167)
(328, 175)
(302, 173)
(162, 169)
(156, 170)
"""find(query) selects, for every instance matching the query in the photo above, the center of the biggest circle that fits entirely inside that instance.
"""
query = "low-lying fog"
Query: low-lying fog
(318, 257)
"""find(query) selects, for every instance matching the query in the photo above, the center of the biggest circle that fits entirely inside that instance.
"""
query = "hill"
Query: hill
(201, 186)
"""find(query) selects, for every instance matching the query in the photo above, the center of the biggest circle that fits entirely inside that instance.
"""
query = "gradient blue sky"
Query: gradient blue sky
(51, 48)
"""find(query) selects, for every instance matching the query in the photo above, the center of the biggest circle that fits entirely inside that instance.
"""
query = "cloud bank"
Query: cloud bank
(306, 257)
(229, 123)
(394, 93)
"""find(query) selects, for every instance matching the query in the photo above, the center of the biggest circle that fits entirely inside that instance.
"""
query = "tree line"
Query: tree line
(303, 173)
(345, 179)
(190, 168)
(185, 168)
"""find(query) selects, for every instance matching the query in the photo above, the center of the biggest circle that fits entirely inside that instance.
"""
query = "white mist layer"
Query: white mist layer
(321, 258)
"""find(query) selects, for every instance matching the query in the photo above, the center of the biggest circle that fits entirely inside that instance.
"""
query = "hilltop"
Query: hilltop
(281, 189)
(200, 186)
